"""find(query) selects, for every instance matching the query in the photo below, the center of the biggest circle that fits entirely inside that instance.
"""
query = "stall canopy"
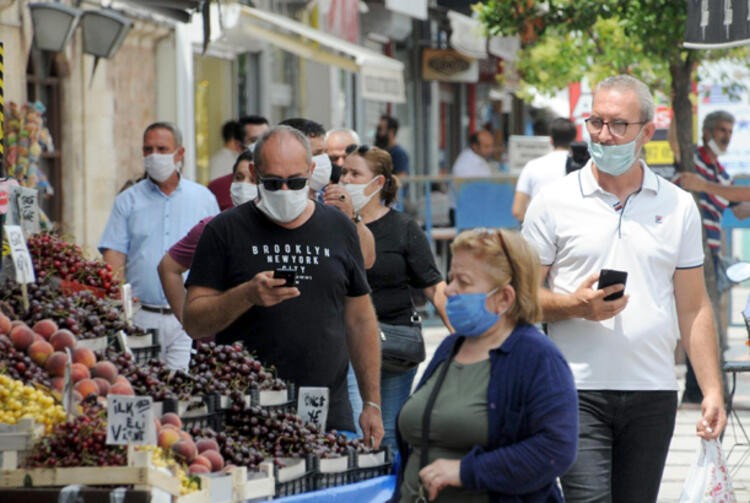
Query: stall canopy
(381, 77)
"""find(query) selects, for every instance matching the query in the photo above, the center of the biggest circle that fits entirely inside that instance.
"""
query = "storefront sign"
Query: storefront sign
(447, 65)
(382, 84)
(522, 149)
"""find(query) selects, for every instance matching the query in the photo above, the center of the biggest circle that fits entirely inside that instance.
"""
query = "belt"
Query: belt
(154, 309)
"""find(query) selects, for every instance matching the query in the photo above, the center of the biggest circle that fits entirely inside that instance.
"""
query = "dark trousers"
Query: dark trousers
(623, 442)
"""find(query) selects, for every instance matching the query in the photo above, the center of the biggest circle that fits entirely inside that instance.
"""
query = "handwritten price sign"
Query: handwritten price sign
(130, 420)
(312, 406)
(20, 254)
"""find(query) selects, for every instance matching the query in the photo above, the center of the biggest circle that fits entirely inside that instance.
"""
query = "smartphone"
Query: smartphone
(289, 276)
(335, 173)
(609, 277)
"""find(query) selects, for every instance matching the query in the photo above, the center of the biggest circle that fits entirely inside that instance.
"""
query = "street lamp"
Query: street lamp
(54, 24)
(103, 32)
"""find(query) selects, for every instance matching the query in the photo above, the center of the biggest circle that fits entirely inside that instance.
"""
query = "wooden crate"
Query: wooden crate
(16, 441)
(255, 485)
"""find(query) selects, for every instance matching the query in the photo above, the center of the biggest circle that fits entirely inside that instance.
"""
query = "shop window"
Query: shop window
(43, 79)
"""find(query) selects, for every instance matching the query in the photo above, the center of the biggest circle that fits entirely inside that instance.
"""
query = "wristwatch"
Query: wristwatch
(357, 218)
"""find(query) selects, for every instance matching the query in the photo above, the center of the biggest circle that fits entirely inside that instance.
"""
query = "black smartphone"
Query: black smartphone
(609, 277)
(289, 276)
(335, 173)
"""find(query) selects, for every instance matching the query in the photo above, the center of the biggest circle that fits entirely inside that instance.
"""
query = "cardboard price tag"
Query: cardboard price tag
(20, 255)
(130, 420)
(312, 406)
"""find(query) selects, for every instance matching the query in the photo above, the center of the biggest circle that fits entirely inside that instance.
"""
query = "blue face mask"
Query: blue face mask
(614, 160)
(468, 314)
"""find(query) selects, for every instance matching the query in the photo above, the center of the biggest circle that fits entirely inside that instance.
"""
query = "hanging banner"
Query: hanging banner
(714, 24)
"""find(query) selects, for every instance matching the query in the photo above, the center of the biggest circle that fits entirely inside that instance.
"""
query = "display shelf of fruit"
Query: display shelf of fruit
(85, 315)
(19, 401)
(53, 257)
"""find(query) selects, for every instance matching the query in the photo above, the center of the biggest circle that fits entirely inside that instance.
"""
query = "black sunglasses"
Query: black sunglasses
(273, 184)
(360, 149)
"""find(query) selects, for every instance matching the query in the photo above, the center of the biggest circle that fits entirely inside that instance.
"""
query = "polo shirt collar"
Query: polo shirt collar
(590, 186)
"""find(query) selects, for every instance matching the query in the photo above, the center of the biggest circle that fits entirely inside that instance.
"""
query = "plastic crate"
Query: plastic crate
(332, 472)
(302, 484)
(71, 287)
(213, 420)
(146, 353)
(360, 473)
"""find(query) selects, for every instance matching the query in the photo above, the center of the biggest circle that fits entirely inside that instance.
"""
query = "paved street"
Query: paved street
(683, 449)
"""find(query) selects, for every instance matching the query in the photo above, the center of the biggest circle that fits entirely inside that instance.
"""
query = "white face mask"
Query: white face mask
(282, 205)
(242, 192)
(159, 166)
(715, 148)
(321, 175)
(251, 148)
(357, 191)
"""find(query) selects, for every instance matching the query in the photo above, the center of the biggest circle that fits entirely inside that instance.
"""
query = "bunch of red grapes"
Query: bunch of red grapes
(54, 257)
(78, 442)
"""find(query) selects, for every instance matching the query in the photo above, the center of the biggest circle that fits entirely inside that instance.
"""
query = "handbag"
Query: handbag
(401, 346)
(708, 480)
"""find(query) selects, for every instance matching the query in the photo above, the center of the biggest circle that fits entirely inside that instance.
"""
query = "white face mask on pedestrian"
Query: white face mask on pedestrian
(242, 192)
(282, 205)
(159, 167)
(357, 193)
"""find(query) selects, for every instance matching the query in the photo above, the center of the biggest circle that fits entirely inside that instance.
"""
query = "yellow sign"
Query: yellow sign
(658, 153)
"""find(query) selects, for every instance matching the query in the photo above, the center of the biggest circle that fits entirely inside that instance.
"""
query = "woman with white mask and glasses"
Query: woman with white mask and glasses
(494, 418)
(403, 260)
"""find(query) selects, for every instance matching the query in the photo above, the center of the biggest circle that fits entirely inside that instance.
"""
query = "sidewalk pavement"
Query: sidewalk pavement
(684, 447)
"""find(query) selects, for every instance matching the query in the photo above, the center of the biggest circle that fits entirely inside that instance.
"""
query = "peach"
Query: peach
(103, 385)
(216, 459)
(79, 371)
(62, 339)
(121, 380)
(86, 387)
(185, 449)
(121, 389)
(85, 356)
(15, 323)
(5, 324)
(21, 336)
(58, 383)
(167, 437)
(55, 364)
(185, 435)
(105, 370)
(202, 460)
(205, 444)
(196, 468)
(39, 351)
(171, 418)
(45, 328)
(37, 337)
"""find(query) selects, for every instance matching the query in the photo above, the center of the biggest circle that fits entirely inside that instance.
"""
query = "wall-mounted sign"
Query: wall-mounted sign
(447, 65)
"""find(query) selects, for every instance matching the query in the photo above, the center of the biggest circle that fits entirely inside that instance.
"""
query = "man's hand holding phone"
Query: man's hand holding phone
(603, 302)
(268, 289)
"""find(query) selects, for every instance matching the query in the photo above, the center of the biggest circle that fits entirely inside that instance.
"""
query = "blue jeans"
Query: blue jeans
(623, 442)
(394, 390)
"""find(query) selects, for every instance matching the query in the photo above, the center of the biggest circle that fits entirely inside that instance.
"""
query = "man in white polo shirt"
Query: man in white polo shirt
(615, 213)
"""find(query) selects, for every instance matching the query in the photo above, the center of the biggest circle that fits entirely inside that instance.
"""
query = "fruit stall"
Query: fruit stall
(88, 408)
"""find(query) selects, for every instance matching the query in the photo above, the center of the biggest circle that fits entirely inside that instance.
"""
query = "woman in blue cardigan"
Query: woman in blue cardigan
(495, 415)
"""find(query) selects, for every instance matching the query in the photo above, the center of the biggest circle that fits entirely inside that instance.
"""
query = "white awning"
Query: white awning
(382, 77)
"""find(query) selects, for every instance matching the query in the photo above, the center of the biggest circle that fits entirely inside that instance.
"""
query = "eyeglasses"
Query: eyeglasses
(499, 234)
(273, 183)
(616, 128)
(360, 149)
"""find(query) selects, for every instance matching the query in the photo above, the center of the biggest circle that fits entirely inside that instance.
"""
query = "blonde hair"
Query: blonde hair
(509, 260)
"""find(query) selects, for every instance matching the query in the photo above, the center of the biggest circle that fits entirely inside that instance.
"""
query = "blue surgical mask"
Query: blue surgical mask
(614, 160)
(468, 314)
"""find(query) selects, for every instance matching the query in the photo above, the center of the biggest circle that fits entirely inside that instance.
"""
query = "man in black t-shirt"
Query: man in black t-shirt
(308, 331)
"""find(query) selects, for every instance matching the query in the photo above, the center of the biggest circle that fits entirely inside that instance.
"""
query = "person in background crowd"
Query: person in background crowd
(494, 417)
(403, 260)
(472, 161)
(255, 126)
(146, 220)
(385, 138)
(314, 131)
(547, 168)
(222, 161)
(336, 141)
(615, 213)
(717, 134)
(308, 330)
(177, 260)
